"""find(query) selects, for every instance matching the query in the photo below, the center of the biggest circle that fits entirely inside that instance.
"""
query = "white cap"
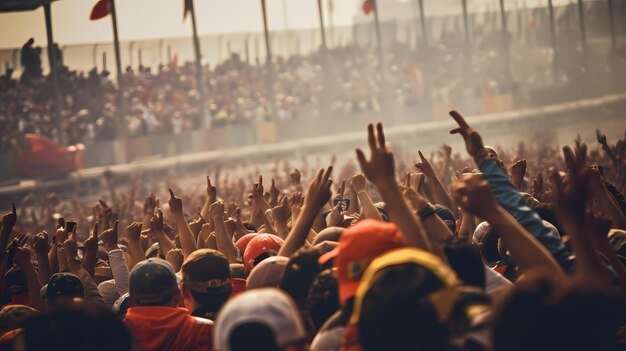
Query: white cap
(268, 273)
(268, 306)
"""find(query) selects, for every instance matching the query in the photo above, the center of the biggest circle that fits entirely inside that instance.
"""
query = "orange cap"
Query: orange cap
(358, 246)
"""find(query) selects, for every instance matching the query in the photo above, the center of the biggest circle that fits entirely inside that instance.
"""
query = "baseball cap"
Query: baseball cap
(152, 282)
(328, 234)
(15, 281)
(442, 299)
(268, 273)
(243, 242)
(261, 247)
(358, 246)
(446, 215)
(64, 285)
(206, 271)
(267, 306)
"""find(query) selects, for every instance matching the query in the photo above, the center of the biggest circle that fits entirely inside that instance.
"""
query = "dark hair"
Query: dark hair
(577, 321)
(77, 327)
(546, 212)
(212, 301)
(489, 246)
(323, 298)
(299, 274)
(396, 316)
(466, 261)
(253, 337)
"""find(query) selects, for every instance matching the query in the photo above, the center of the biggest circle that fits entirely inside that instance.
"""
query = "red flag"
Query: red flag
(187, 8)
(100, 10)
(367, 7)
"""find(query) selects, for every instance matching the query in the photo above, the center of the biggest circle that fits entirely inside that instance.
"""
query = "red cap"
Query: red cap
(358, 246)
(260, 244)
(239, 286)
(243, 242)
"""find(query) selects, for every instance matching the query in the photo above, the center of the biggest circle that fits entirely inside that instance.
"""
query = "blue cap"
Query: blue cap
(152, 282)
(64, 285)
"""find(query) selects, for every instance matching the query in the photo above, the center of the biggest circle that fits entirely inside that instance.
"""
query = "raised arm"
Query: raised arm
(380, 170)
(439, 192)
(119, 268)
(187, 240)
(91, 250)
(316, 197)
(224, 242)
(357, 184)
(472, 192)
(507, 195)
(22, 259)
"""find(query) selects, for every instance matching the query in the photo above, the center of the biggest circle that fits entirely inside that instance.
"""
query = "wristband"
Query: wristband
(483, 155)
(426, 212)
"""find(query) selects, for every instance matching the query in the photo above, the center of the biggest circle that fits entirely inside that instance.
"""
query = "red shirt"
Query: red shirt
(168, 328)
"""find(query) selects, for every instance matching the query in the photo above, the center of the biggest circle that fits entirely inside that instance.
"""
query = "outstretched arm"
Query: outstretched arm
(317, 195)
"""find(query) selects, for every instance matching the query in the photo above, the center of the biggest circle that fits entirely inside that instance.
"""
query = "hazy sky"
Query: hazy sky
(139, 19)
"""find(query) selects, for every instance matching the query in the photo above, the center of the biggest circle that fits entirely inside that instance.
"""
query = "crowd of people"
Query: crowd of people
(503, 250)
(344, 80)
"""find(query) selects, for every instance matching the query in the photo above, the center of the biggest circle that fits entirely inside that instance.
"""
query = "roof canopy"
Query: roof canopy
(21, 5)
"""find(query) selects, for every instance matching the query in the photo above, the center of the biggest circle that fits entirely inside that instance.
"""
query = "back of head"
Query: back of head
(466, 261)
(531, 320)
(323, 298)
(299, 274)
(152, 282)
(207, 274)
(253, 337)
(394, 314)
(268, 273)
(64, 287)
(77, 327)
(267, 314)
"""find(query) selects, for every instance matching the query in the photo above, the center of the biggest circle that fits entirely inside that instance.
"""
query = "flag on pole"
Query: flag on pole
(367, 7)
(187, 8)
(100, 10)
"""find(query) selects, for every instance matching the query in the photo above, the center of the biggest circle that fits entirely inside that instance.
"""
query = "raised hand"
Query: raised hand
(295, 177)
(257, 190)
(109, 237)
(176, 204)
(380, 168)
(296, 201)
(280, 213)
(22, 257)
(319, 190)
(473, 140)
(601, 137)
(357, 183)
(537, 186)
(211, 191)
(150, 204)
(175, 258)
(8, 220)
(274, 193)
(518, 171)
(133, 232)
(474, 195)
(70, 247)
(156, 223)
(425, 166)
(91, 244)
(216, 211)
(570, 202)
(41, 244)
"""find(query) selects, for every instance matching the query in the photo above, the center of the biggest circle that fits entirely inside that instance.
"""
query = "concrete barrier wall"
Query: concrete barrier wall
(610, 107)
